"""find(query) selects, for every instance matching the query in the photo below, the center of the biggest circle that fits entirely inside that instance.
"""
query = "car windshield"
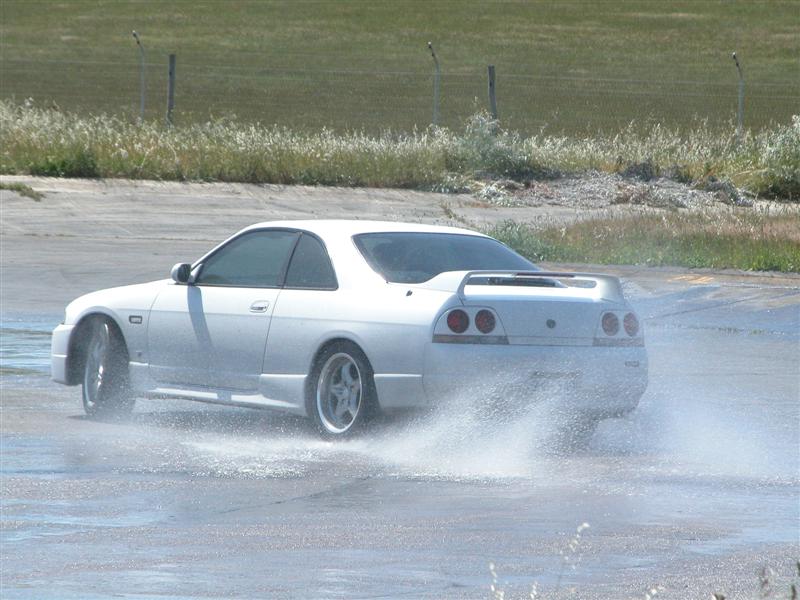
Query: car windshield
(418, 257)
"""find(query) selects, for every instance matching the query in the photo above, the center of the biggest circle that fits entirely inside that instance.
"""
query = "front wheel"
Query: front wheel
(341, 395)
(106, 389)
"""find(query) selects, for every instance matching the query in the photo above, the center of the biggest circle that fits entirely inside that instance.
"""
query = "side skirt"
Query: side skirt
(281, 392)
(223, 397)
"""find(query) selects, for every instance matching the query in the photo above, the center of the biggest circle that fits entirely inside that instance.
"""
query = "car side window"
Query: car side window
(310, 267)
(255, 259)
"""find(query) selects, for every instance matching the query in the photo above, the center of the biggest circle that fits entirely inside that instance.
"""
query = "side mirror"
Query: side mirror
(181, 273)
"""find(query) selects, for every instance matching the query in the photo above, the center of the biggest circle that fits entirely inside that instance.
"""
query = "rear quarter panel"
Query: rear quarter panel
(391, 326)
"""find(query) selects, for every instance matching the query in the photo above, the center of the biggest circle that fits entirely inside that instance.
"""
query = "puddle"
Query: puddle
(25, 344)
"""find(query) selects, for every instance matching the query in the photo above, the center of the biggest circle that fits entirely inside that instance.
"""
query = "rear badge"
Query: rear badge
(551, 323)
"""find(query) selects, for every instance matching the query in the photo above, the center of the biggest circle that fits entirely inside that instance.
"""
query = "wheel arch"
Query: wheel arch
(323, 347)
(78, 343)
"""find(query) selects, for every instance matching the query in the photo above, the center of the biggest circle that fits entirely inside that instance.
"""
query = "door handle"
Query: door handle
(259, 306)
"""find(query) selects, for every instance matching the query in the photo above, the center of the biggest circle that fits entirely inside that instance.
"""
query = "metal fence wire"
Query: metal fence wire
(358, 97)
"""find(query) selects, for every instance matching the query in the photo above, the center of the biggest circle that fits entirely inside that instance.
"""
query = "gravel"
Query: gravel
(595, 190)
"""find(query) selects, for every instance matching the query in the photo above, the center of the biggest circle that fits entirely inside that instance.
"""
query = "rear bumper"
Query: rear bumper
(59, 354)
(593, 381)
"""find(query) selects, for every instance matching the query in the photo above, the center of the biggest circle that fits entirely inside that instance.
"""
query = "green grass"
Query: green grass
(53, 143)
(22, 190)
(574, 67)
(741, 239)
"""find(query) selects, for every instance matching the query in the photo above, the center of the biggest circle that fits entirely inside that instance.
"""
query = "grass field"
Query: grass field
(737, 239)
(567, 66)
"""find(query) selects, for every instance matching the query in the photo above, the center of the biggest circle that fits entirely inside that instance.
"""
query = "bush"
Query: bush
(487, 152)
(78, 163)
(779, 175)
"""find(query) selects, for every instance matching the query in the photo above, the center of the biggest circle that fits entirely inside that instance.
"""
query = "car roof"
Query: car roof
(337, 228)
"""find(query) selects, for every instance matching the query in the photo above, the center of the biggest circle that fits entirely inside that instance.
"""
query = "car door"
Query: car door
(213, 331)
(303, 313)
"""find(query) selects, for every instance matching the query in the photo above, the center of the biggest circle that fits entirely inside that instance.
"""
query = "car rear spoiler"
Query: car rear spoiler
(607, 287)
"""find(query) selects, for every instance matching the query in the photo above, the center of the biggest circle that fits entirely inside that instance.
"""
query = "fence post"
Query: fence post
(437, 77)
(492, 93)
(740, 111)
(170, 89)
(141, 76)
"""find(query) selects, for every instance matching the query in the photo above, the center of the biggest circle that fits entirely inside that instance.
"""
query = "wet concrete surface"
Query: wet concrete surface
(694, 493)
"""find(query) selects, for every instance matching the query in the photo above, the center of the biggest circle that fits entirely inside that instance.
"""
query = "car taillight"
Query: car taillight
(458, 321)
(610, 324)
(485, 321)
(631, 324)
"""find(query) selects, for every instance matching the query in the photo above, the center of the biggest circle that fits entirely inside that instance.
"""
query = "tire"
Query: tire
(341, 398)
(106, 384)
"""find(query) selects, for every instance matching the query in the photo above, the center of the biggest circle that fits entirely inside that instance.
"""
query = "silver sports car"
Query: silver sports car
(340, 320)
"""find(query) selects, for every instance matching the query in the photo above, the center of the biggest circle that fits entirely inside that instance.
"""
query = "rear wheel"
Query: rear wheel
(106, 389)
(576, 434)
(341, 395)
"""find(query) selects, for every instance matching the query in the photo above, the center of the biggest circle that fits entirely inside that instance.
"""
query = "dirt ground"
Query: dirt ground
(696, 492)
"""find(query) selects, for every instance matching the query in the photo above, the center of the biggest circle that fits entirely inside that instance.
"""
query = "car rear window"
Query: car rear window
(418, 257)
(310, 267)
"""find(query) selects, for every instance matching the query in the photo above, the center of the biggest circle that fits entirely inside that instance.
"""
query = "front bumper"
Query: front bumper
(59, 354)
(594, 381)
